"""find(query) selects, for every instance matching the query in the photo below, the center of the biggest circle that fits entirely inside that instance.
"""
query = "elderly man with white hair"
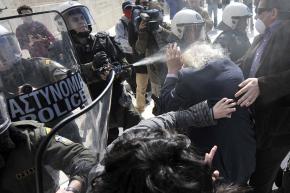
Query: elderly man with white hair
(203, 72)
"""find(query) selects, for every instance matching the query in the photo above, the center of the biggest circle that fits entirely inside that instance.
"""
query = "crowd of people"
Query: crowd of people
(221, 108)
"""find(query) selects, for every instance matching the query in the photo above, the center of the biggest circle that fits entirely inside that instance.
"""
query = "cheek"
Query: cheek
(266, 18)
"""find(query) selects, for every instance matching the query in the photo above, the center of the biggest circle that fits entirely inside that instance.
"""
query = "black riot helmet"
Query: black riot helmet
(5, 121)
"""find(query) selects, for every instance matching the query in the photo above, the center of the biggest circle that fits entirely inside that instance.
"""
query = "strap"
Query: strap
(26, 123)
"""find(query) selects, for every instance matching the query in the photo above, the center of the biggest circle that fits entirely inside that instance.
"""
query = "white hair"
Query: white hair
(198, 54)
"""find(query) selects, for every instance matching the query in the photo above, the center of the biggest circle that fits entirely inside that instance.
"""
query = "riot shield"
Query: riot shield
(41, 80)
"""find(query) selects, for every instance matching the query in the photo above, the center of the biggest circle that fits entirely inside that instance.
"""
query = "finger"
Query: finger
(221, 101)
(212, 151)
(245, 97)
(246, 103)
(209, 156)
(241, 91)
(206, 158)
(232, 104)
(249, 103)
(228, 101)
(244, 83)
(231, 110)
(215, 175)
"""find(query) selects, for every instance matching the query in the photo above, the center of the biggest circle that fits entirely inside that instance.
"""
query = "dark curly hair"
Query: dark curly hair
(153, 161)
(23, 7)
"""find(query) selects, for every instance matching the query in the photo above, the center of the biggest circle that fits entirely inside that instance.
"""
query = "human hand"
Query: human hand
(100, 60)
(209, 156)
(142, 25)
(215, 175)
(224, 108)
(249, 91)
(173, 56)
(104, 74)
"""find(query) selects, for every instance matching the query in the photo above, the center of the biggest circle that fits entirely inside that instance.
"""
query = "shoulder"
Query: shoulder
(35, 130)
(221, 62)
(225, 37)
(20, 28)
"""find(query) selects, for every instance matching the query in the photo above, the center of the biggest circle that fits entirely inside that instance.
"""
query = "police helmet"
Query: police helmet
(232, 14)
(71, 8)
(186, 18)
(5, 121)
(10, 52)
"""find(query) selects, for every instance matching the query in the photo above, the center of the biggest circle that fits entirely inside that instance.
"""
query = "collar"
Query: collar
(274, 26)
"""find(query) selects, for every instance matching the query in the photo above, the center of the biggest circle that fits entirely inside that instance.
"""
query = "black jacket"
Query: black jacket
(272, 108)
(119, 106)
(236, 43)
(235, 158)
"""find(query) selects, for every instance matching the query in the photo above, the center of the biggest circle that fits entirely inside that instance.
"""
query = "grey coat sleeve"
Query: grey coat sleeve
(199, 115)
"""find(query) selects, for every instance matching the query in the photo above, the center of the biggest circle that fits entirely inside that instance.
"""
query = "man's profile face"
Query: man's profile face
(78, 23)
(27, 19)
(264, 13)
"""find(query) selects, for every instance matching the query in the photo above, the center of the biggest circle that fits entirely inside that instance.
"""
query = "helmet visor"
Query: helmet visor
(193, 33)
(78, 19)
(9, 51)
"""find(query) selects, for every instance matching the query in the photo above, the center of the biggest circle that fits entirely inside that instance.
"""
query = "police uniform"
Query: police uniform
(37, 72)
(235, 42)
(120, 114)
(17, 175)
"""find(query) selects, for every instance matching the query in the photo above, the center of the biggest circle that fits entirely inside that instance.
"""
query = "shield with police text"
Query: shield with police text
(41, 80)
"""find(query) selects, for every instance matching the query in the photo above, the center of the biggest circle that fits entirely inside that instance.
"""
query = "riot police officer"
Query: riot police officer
(19, 76)
(234, 36)
(97, 52)
(18, 144)
(187, 26)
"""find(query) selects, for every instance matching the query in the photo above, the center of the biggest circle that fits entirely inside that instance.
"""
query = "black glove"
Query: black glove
(100, 60)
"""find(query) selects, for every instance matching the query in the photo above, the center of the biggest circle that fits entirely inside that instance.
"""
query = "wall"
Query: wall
(105, 12)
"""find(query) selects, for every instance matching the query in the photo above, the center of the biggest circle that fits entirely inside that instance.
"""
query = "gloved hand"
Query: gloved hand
(100, 60)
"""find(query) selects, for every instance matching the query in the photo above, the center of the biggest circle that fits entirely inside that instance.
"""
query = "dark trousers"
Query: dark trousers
(267, 166)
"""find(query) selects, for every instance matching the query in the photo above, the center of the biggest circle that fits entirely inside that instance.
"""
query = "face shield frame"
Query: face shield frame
(198, 30)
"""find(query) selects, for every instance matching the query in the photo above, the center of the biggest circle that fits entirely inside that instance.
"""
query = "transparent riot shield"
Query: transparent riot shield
(42, 81)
